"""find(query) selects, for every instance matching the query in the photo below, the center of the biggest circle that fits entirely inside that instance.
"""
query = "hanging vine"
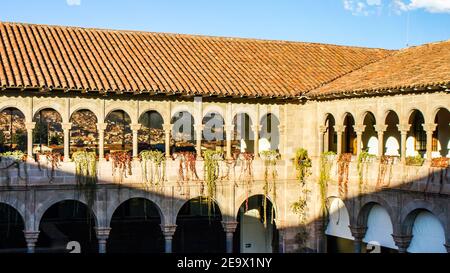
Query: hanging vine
(121, 163)
(326, 161)
(343, 170)
(155, 162)
(211, 175)
(270, 174)
(438, 167)
(13, 159)
(386, 165)
(187, 170)
(364, 159)
(86, 174)
(54, 160)
(245, 160)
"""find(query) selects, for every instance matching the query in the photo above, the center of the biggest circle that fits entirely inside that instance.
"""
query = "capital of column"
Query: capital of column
(322, 129)
(359, 129)
(30, 125)
(135, 127)
(66, 126)
(229, 227)
(102, 232)
(31, 237)
(358, 232)
(168, 230)
(102, 126)
(380, 128)
(339, 128)
(402, 241)
(403, 128)
(429, 127)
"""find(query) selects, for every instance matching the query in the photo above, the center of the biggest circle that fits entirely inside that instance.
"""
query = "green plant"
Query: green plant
(324, 179)
(157, 162)
(416, 160)
(270, 174)
(363, 167)
(211, 174)
(86, 174)
(302, 164)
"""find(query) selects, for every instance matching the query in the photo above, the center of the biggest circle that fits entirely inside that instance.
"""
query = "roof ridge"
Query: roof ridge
(262, 40)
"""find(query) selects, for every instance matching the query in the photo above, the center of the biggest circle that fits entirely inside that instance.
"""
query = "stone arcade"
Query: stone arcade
(69, 89)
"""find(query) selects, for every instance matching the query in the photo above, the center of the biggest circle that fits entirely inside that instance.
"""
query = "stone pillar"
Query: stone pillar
(319, 230)
(255, 129)
(358, 233)
(402, 242)
(229, 138)
(31, 238)
(380, 131)
(102, 236)
(403, 128)
(281, 140)
(30, 126)
(168, 232)
(66, 128)
(322, 131)
(101, 127)
(359, 130)
(339, 131)
(229, 228)
(429, 128)
(135, 128)
(198, 140)
(167, 130)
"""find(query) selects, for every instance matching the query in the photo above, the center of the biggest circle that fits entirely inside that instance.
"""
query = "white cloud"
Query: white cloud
(369, 7)
(73, 2)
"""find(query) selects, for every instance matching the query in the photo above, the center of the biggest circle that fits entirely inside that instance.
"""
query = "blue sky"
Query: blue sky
(371, 23)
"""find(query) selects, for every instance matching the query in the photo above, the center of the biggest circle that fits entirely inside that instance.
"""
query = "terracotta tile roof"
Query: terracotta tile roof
(55, 57)
(415, 67)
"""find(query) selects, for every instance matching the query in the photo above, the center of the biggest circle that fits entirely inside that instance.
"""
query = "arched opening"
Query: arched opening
(197, 230)
(183, 133)
(441, 136)
(48, 135)
(83, 135)
(269, 138)
(213, 132)
(392, 135)
(243, 137)
(428, 234)
(64, 222)
(252, 235)
(12, 238)
(118, 135)
(13, 133)
(330, 137)
(339, 236)
(135, 226)
(416, 142)
(151, 135)
(370, 136)
(379, 229)
(349, 139)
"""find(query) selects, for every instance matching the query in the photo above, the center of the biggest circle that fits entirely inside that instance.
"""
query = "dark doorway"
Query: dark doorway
(12, 238)
(197, 230)
(135, 228)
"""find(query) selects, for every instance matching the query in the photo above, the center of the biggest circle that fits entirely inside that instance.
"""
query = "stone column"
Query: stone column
(102, 236)
(402, 242)
(403, 128)
(358, 233)
(319, 231)
(359, 129)
(322, 131)
(229, 137)
(101, 127)
(31, 238)
(66, 128)
(229, 228)
(429, 128)
(135, 128)
(168, 232)
(30, 126)
(255, 129)
(380, 131)
(198, 140)
(339, 131)
(167, 130)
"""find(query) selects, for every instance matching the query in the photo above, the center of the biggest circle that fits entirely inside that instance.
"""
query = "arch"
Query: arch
(243, 135)
(13, 132)
(214, 108)
(410, 210)
(151, 134)
(330, 136)
(12, 225)
(184, 108)
(256, 231)
(416, 143)
(349, 138)
(369, 136)
(368, 203)
(269, 138)
(135, 224)
(365, 114)
(441, 136)
(379, 227)
(83, 134)
(45, 106)
(213, 131)
(391, 137)
(339, 219)
(48, 135)
(86, 105)
(428, 234)
(19, 106)
(240, 199)
(199, 228)
(183, 132)
(118, 134)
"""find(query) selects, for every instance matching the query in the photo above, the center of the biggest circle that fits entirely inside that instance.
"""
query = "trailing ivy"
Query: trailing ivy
(302, 164)
(121, 163)
(270, 175)
(211, 175)
(187, 168)
(386, 165)
(157, 162)
(86, 174)
(364, 159)
(54, 159)
(343, 171)
(324, 178)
